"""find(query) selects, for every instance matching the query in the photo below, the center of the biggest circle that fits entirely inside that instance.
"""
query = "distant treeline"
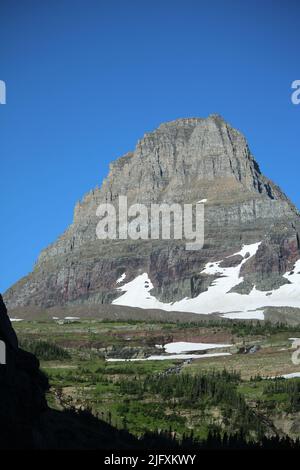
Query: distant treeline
(238, 327)
(289, 387)
(202, 391)
(76, 429)
(44, 350)
(221, 441)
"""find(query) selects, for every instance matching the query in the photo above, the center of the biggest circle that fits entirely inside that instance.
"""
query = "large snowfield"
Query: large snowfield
(218, 299)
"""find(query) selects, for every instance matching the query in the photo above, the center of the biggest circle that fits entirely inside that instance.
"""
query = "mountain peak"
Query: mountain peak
(182, 161)
(188, 153)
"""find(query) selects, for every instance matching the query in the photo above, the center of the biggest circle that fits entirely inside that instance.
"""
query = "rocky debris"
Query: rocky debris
(128, 352)
(173, 370)
(250, 349)
(231, 261)
(182, 161)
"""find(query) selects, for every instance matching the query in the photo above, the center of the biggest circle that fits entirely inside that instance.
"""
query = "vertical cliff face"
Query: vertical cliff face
(182, 161)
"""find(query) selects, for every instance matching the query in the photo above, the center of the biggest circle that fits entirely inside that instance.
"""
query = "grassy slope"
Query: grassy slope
(85, 380)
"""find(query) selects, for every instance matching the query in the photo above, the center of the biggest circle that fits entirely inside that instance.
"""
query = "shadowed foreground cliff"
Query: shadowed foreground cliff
(27, 422)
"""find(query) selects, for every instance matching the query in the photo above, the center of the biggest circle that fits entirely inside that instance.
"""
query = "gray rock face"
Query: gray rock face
(182, 161)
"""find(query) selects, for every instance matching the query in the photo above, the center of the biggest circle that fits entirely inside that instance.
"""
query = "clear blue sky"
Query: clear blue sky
(85, 79)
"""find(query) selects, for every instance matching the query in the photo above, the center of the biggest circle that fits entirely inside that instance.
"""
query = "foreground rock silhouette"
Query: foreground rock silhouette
(26, 420)
(22, 389)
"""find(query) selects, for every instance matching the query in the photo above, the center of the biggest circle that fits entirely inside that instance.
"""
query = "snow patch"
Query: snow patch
(121, 278)
(293, 375)
(171, 356)
(250, 315)
(295, 342)
(218, 298)
(183, 347)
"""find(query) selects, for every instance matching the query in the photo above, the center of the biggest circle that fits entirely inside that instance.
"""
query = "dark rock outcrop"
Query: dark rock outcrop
(22, 390)
(25, 419)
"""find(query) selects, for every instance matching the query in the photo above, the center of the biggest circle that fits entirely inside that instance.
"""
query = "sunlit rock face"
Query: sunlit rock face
(182, 161)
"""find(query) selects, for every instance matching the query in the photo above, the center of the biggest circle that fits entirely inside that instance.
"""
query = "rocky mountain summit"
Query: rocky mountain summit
(182, 161)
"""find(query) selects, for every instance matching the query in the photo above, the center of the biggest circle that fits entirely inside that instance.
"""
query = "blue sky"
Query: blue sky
(85, 79)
